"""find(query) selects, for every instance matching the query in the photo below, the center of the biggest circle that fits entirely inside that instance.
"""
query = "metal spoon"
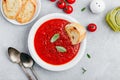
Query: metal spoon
(28, 62)
(15, 58)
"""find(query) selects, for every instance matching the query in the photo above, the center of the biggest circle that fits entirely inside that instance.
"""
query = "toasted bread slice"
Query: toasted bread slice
(11, 8)
(75, 32)
(24, 2)
(27, 12)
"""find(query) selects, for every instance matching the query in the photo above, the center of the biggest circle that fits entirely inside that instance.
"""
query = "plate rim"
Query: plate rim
(42, 63)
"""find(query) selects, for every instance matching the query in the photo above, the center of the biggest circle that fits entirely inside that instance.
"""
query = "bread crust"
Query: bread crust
(34, 2)
(76, 32)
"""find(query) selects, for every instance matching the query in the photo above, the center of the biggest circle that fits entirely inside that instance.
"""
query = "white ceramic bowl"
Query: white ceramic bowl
(38, 60)
(17, 23)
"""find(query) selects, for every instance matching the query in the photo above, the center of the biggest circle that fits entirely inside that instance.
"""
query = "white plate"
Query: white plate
(38, 60)
(34, 17)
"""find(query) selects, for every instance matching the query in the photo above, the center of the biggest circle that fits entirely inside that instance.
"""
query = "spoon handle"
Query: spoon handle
(27, 74)
(34, 73)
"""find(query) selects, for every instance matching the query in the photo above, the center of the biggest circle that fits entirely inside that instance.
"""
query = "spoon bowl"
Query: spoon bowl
(14, 55)
(26, 60)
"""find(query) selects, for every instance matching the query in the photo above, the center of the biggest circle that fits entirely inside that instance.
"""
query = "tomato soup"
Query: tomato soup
(46, 50)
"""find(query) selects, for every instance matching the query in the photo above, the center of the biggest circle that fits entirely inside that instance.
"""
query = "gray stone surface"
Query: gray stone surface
(103, 46)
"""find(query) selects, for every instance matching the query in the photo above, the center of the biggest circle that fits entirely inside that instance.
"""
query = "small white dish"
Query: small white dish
(34, 17)
(42, 63)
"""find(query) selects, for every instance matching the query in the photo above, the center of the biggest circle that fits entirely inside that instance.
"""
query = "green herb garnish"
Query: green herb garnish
(55, 37)
(84, 70)
(88, 55)
(61, 49)
(83, 9)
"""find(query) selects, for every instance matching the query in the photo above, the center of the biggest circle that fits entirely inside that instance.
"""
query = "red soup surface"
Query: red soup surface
(46, 50)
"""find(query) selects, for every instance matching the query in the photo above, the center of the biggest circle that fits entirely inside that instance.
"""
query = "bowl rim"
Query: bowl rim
(42, 63)
(38, 9)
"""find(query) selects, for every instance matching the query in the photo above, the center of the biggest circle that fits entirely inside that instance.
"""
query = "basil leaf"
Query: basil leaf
(61, 49)
(83, 9)
(55, 37)
(84, 70)
(88, 55)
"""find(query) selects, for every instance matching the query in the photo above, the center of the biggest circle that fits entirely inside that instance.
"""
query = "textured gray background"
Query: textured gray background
(103, 46)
